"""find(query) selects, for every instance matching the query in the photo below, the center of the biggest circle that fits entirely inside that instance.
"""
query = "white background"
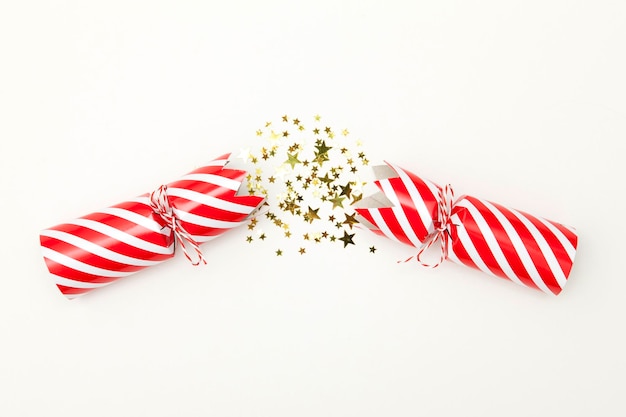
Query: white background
(519, 102)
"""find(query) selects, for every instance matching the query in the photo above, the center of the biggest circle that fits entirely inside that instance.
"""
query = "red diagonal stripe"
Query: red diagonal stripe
(555, 245)
(533, 249)
(114, 244)
(73, 291)
(128, 227)
(478, 239)
(392, 223)
(418, 224)
(70, 273)
(83, 256)
(459, 250)
(429, 199)
(203, 210)
(569, 235)
(365, 212)
(504, 242)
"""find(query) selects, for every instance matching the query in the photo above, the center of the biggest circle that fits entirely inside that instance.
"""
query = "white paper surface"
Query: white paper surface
(521, 103)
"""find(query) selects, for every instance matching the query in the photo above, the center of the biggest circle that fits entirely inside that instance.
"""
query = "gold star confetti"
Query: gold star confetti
(346, 190)
(356, 197)
(310, 177)
(347, 239)
(372, 249)
(311, 215)
(350, 219)
(337, 201)
(292, 159)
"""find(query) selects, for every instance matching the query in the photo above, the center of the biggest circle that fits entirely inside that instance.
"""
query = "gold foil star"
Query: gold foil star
(322, 148)
(346, 190)
(320, 158)
(337, 201)
(311, 215)
(291, 206)
(292, 159)
(350, 220)
(356, 197)
(347, 239)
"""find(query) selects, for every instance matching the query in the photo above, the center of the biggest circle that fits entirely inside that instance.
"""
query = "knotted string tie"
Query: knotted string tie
(445, 204)
(160, 203)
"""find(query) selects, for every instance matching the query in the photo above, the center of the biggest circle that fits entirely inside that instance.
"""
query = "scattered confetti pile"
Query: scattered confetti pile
(310, 176)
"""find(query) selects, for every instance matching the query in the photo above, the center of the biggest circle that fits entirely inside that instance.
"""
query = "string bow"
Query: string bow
(445, 203)
(160, 203)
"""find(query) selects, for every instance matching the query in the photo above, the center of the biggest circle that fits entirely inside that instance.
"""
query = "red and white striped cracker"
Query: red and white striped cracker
(97, 249)
(497, 240)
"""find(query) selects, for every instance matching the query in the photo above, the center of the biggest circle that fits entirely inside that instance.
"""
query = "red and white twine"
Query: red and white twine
(445, 203)
(160, 203)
